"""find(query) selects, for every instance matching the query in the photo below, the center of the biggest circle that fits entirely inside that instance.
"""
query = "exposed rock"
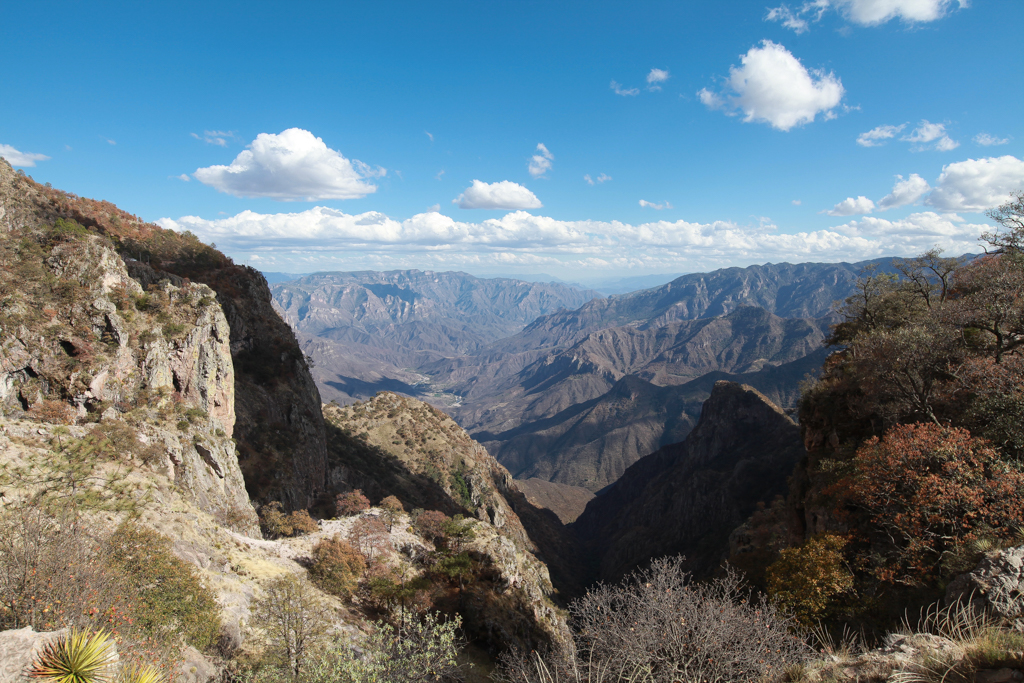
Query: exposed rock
(995, 585)
(18, 648)
(195, 667)
(565, 501)
(686, 498)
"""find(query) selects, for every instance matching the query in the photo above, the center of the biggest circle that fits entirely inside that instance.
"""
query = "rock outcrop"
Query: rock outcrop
(686, 498)
(278, 427)
(996, 585)
(18, 648)
(393, 445)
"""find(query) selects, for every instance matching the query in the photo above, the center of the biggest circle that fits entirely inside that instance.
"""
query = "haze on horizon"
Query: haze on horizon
(583, 140)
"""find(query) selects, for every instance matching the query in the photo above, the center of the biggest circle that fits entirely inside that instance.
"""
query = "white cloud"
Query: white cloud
(216, 137)
(440, 174)
(625, 92)
(877, 136)
(852, 207)
(652, 205)
(796, 202)
(905, 192)
(655, 78)
(110, 142)
(977, 184)
(184, 177)
(324, 238)
(540, 163)
(774, 87)
(24, 159)
(862, 12)
(436, 208)
(501, 195)
(875, 12)
(603, 178)
(789, 18)
(927, 133)
(292, 165)
(987, 140)
(429, 135)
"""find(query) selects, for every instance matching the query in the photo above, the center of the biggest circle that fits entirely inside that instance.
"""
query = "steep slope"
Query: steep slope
(394, 445)
(687, 497)
(279, 427)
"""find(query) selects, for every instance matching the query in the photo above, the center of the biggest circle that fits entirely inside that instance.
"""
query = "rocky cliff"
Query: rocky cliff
(687, 497)
(393, 445)
(278, 427)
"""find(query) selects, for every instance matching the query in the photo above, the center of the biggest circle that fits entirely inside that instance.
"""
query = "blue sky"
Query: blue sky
(712, 134)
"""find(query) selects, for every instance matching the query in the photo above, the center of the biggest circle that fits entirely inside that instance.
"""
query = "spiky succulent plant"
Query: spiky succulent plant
(76, 657)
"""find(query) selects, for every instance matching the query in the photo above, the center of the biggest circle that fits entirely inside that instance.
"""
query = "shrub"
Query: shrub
(431, 524)
(294, 620)
(276, 524)
(928, 490)
(812, 580)
(391, 510)
(370, 536)
(666, 628)
(172, 601)
(337, 567)
(351, 503)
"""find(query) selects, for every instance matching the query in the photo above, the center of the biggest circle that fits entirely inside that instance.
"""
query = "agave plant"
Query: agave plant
(139, 673)
(76, 657)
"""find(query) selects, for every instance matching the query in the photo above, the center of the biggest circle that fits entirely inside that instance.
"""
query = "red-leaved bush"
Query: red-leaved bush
(928, 490)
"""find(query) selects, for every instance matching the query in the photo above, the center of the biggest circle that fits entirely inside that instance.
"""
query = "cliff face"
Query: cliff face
(687, 497)
(278, 426)
(148, 372)
(393, 445)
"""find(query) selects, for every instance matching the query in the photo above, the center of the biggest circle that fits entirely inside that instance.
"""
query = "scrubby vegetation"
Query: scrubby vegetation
(916, 463)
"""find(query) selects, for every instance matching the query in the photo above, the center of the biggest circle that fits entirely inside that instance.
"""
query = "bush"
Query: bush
(172, 601)
(812, 580)
(928, 490)
(351, 503)
(370, 536)
(432, 524)
(391, 510)
(276, 524)
(337, 567)
(659, 625)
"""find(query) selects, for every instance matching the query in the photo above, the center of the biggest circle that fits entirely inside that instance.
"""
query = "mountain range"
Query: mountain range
(561, 384)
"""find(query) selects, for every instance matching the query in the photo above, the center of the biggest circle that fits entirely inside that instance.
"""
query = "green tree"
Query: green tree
(294, 619)
(813, 581)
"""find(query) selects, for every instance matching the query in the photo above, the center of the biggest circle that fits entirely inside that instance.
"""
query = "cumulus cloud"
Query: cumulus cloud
(862, 12)
(905, 192)
(986, 140)
(977, 184)
(184, 177)
(540, 163)
(876, 137)
(657, 207)
(603, 178)
(852, 207)
(772, 86)
(292, 165)
(625, 92)
(928, 133)
(215, 137)
(23, 159)
(324, 238)
(655, 78)
(501, 195)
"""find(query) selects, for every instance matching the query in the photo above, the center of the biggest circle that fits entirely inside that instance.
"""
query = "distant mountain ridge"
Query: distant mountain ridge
(560, 384)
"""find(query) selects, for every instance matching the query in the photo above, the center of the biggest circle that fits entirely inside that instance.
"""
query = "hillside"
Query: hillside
(686, 498)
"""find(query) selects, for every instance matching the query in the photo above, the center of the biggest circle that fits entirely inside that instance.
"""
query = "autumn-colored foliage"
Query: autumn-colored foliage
(351, 503)
(275, 523)
(391, 510)
(432, 524)
(336, 567)
(370, 536)
(926, 490)
(812, 581)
